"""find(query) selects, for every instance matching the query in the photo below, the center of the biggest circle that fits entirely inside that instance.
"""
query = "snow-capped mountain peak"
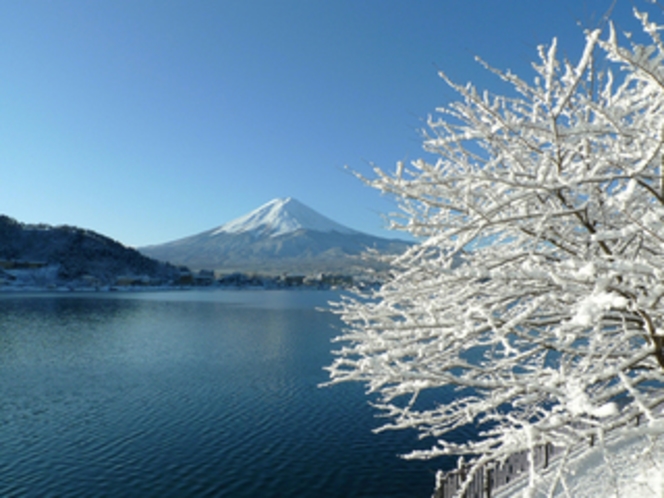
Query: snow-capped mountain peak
(282, 236)
(280, 217)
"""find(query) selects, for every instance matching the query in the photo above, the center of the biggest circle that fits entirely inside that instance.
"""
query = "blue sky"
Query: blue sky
(153, 120)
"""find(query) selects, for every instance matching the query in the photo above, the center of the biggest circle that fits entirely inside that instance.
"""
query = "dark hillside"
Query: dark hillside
(75, 252)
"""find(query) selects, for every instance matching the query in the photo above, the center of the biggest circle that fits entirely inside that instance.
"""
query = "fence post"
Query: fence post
(456, 480)
(488, 481)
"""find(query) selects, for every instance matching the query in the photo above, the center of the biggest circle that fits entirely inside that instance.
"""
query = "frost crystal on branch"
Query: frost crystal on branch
(537, 290)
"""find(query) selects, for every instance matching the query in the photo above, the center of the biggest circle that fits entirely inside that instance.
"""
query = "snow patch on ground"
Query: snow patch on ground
(632, 467)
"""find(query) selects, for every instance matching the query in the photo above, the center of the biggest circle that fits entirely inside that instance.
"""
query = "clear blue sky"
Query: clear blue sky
(153, 120)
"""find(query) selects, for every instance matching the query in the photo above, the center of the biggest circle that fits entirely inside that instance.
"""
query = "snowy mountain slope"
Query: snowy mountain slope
(280, 217)
(283, 235)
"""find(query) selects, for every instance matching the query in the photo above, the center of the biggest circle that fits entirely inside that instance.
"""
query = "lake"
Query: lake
(187, 393)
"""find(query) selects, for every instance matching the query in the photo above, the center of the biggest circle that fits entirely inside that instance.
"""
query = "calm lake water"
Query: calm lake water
(177, 394)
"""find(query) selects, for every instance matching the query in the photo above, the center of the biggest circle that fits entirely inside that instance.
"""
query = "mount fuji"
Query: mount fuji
(282, 236)
(281, 217)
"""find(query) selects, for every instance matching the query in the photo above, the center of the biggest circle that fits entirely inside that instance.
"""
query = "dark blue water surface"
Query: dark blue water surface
(177, 394)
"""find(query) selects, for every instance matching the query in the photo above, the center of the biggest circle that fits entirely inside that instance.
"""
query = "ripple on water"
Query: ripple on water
(148, 397)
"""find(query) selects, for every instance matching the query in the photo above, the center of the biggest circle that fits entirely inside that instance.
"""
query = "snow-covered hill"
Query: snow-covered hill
(281, 236)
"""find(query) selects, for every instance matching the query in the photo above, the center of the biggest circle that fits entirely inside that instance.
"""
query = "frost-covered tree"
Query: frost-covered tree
(538, 288)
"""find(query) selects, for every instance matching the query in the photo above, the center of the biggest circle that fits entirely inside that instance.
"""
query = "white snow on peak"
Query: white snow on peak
(279, 217)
